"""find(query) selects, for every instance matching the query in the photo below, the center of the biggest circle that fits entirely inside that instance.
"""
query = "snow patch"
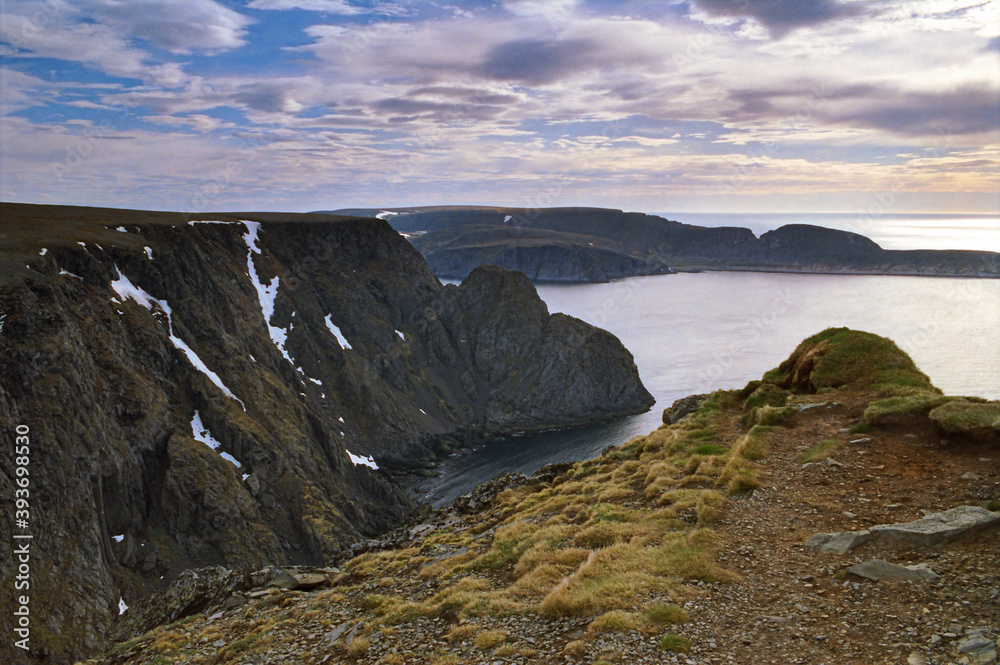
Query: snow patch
(266, 293)
(401, 335)
(386, 214)
(202, 435)
(245, 476)
(507, 218)
(119, 538)
(65, 272)
(364, 461)
(423, 412)
(122, 229)
(341, 419)
(121, 605)
(2, 317)
(208, 221)
(43, 252)
(336, 333)
(316, 381)
(126, 289)
(149, 252)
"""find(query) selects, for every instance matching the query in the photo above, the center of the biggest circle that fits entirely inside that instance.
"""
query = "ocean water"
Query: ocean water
(694, 333)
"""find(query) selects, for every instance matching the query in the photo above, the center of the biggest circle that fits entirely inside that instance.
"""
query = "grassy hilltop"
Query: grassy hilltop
(685, 541)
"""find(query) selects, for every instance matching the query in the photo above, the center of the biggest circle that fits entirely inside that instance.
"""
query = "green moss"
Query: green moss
(841, 357)
(861, 428)
(710, 449)
(820, 451)
(896, 409)
(767, 394)
(965, 416)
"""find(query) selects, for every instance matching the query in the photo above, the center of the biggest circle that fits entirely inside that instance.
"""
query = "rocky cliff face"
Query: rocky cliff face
(597, 244)
(202, 393)
(544, 256)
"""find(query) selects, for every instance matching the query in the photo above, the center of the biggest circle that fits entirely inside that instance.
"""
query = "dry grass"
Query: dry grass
(462, 633)
(358, 647)
(490, 639)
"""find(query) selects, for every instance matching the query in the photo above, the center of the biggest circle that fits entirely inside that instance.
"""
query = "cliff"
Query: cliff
(217, 389)
(597, 244)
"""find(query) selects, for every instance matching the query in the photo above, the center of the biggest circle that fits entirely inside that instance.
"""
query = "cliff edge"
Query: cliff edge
(230, 388)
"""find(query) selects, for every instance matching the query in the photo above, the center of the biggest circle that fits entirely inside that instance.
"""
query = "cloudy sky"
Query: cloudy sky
(701, 105)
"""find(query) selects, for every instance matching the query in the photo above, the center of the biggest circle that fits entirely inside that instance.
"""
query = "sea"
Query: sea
(697, 332)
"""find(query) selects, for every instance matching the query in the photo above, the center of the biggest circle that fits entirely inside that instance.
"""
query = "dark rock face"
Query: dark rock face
(597, 244)
(136, 342)
(544, 256)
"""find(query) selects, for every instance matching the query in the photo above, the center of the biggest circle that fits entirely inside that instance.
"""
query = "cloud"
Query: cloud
(102, 34)
(966, 110)
(328, 6)
(538, 61)
(21, 91)
(780, 17)
(177, 26)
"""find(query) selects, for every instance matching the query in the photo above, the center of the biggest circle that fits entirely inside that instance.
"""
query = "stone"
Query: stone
(837, 543)
(973, 644)
(235, 600)
(308, 581)
(916, 659)
(682, 408)
(938, 528)
(335, 634)
(878, 570)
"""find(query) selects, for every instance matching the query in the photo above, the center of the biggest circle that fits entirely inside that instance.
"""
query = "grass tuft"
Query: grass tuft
(675, 643)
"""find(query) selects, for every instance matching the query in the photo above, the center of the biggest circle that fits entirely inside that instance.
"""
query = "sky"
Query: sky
(701, 105)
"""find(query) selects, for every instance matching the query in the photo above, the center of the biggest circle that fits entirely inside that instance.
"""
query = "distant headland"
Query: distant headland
(602, 244)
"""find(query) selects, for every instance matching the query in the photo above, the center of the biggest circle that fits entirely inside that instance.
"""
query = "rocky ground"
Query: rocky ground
(765, 597)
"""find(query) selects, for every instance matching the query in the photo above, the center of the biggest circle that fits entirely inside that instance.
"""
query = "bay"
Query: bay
(697, 332)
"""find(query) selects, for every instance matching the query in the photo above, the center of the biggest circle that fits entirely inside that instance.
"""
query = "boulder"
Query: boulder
(878, 570)
(837, 543)
(682, 408)
(938, 528)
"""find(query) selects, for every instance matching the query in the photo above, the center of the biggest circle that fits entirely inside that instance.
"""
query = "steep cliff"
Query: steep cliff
(544, 256)
(597, 244)
(218, 388)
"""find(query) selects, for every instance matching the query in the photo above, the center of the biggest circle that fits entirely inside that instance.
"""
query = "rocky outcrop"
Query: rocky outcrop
(683, 407)
(596, 244)
(219, 393)
(930, 531)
